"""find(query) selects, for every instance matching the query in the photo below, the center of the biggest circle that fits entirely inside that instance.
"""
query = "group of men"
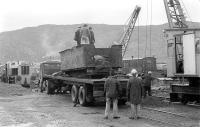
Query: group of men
(137, 88)
(84, 35)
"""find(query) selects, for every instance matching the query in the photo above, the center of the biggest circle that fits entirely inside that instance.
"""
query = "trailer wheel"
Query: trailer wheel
(49, 87)
(82, 96)
(74, 94)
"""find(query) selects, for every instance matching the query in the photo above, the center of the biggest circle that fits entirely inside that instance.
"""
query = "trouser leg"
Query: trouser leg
(132, 110)
(75, 102)
(83, 41)
(137, 109)
(78, 43)
(115, 108)
(149, 90)
(87, 40)
(145, 91)
(107, 110)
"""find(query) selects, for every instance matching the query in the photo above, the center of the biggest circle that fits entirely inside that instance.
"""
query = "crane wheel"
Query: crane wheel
(74, 94)
(82, 96)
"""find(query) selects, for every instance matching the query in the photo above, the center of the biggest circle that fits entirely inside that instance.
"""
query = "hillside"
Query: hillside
(34, 43)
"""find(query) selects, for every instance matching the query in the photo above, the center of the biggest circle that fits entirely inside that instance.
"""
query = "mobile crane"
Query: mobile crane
(183, 48)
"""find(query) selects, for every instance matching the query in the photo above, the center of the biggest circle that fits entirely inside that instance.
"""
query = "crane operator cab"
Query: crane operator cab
(183, 51)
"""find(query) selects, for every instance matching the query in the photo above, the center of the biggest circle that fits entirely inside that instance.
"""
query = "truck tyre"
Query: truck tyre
(82, 96)
(74, 94)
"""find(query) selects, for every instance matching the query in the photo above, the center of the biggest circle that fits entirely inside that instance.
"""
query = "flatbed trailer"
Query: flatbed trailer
(83, 71)
(84, 91)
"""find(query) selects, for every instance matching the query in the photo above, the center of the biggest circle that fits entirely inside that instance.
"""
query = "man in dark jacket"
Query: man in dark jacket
(92, 39)
(147, 83)
(142, 80)
(134, 91)
(77, 36)
(112, 90)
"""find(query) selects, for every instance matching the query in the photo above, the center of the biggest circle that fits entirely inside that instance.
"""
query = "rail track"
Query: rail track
(167, 99)
(164, 123)
(194, 105)
(169, 119)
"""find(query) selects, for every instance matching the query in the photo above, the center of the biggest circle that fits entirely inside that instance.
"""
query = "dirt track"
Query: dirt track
(23, 108)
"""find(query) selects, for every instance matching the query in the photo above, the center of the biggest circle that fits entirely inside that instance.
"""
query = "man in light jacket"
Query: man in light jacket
(85, 34)
(134, 93)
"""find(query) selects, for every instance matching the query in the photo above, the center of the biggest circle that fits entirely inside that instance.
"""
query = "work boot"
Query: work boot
(135, 117)
(74, 104)
(116, 117)
(106, 117)
(131, 118)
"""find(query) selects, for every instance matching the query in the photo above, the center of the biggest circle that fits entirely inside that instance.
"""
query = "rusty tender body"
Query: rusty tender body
(84, 70)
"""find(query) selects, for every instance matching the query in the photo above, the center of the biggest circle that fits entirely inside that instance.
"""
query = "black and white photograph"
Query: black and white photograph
(99, 63)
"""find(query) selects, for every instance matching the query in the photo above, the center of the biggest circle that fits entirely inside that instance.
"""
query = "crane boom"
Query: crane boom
(175, 15)
(128, 31)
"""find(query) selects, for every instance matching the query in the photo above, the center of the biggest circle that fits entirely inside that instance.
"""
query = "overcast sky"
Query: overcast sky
(16, 14)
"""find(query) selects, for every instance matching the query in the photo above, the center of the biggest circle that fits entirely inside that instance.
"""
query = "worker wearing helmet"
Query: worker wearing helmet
(134, 92)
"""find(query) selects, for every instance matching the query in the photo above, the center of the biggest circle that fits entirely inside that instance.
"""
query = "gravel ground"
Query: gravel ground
(7, 90)
(20, 107)
(155, 102)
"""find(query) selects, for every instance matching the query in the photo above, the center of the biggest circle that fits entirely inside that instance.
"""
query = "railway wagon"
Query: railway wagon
(83, 72)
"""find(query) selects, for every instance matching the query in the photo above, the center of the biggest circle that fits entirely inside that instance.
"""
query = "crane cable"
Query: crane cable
(150, 26)
(138, 42)
(146, 30)
(183, 5)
